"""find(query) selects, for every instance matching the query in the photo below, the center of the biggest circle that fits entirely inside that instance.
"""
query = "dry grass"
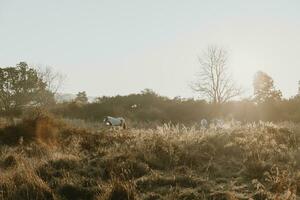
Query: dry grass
(38, 126)
(57, 161)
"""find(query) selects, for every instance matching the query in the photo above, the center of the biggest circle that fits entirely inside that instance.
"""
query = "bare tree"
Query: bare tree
(52, 78)
(214, 81)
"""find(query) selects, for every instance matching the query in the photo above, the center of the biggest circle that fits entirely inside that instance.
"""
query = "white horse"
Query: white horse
(115, 121)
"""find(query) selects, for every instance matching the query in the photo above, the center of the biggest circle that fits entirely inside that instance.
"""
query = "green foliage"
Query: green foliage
(148, 107)
(20, 87)
(144, 107)
(81, 98)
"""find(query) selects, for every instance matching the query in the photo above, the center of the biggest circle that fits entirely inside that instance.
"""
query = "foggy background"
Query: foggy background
(118, 47)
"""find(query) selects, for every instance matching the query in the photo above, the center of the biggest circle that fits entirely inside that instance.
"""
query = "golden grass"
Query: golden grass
(57, 161)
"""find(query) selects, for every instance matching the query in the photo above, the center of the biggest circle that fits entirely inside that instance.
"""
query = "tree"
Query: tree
(264, 89)
(213, 81)
(52, 78)
(81, 98)
(20, 87)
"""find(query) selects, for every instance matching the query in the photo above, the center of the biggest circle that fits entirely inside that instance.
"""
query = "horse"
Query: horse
(115, 121)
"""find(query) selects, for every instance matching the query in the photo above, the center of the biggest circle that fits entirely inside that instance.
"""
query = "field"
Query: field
(43, 157)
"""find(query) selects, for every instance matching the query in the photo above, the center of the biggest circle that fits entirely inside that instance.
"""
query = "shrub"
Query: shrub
(9, 162)
(40, 127)
(120, 191)
(75, 192)
(24, 184)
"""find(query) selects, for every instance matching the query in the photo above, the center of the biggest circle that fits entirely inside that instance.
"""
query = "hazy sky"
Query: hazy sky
(120, 47)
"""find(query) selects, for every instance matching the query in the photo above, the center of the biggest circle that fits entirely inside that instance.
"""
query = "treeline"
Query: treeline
(148, 106)
(23, 87)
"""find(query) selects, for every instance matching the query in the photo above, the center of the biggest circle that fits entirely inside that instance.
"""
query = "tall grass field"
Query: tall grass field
(42, 157)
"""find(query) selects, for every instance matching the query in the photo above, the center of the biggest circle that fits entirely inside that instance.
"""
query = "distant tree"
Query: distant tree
(214, 81)
(264, 89)
(20, 87)
(148, 91)
(102, 99)
(81, 98)
(52, 78)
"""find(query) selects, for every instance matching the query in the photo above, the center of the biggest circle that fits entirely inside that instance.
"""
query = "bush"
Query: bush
(75, 192)
(120, 191)
(9, 162)
(24, 184)
(39, 127)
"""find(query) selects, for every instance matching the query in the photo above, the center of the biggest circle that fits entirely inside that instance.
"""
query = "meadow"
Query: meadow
(46, 157)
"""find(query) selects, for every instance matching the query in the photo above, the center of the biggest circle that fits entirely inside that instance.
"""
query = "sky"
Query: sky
(120, 47)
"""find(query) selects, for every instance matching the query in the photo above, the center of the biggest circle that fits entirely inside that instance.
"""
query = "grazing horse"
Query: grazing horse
(115, 121)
